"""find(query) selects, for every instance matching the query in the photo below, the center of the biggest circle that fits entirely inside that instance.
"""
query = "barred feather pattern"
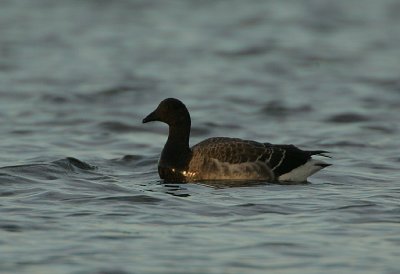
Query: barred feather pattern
(233, 158)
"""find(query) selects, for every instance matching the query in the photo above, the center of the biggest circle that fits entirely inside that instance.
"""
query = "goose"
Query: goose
(224, 158)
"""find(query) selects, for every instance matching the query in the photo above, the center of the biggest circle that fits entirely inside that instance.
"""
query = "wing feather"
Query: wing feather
(279, 158)
(230, 150)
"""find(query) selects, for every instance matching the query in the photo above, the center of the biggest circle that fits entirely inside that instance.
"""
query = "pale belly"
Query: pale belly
(212, 169)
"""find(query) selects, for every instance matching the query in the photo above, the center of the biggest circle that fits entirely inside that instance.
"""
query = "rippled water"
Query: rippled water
(79, 190)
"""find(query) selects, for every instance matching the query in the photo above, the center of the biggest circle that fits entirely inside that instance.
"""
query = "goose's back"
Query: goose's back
(230, 158)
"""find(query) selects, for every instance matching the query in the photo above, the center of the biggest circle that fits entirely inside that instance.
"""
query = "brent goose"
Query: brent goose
(223, 158)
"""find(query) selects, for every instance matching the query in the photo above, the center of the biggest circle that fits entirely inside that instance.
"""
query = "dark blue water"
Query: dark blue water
(79, 189)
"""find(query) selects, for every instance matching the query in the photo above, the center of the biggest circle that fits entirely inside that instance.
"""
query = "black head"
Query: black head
(170, 111)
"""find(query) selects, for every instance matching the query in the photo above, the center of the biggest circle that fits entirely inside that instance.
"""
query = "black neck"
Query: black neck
(178, 136)
(176, 152)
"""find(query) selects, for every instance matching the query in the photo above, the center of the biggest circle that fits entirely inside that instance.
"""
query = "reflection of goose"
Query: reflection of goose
(224, 158)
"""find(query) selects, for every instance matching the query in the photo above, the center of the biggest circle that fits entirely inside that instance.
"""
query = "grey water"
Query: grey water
(79, 189)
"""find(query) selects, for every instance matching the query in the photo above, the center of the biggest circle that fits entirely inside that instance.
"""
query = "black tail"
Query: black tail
(306, 152)
(288, 157)
(323, 165)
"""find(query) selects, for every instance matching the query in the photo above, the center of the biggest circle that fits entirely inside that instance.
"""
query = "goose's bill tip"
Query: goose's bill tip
(149, 118)
(145, 120)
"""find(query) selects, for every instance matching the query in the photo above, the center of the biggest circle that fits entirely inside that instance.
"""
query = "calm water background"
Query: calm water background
(79, 191)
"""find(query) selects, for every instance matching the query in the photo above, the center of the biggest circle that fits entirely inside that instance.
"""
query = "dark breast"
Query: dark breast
(171, 175)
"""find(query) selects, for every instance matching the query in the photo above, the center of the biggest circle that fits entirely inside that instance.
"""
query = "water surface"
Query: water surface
(78, 178)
